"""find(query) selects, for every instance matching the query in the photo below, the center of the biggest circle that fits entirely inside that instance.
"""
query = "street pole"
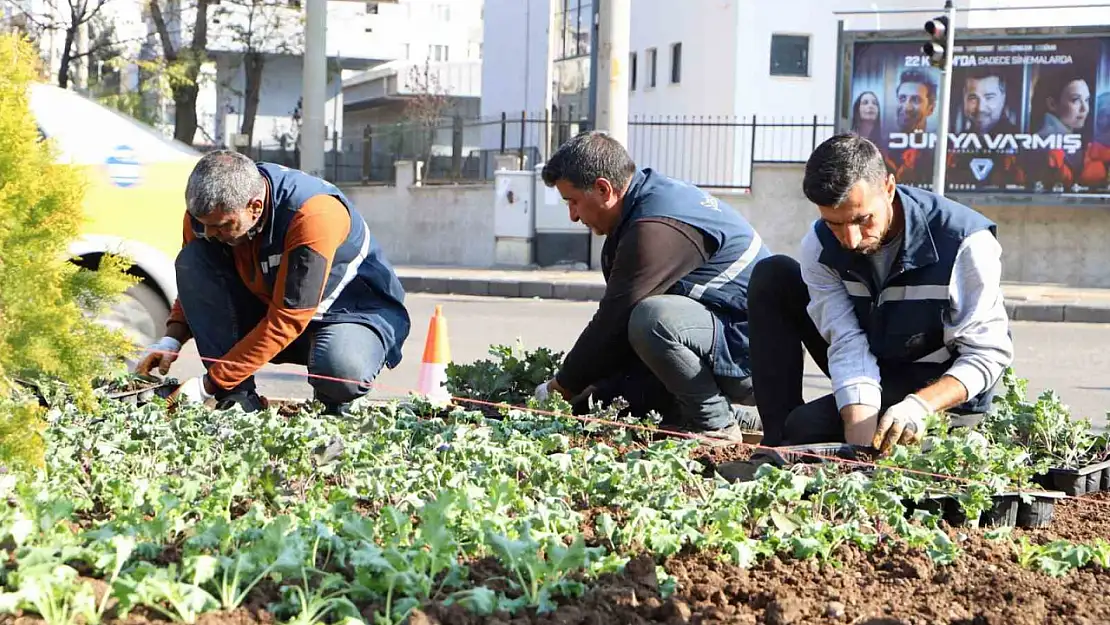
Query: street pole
(614, 30)
(940, 156)
(314, 87)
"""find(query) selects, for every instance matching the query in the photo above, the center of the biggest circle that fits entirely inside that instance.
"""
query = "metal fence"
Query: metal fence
(719, 152)
(712, 152)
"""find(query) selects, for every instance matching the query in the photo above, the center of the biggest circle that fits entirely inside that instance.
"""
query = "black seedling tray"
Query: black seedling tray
(158, 388)
(1038, 512)
(1074, 482)
(1008, 509)
(793, 454)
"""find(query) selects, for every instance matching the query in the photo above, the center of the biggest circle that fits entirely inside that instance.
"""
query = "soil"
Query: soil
(1077, 520)
(891, 585)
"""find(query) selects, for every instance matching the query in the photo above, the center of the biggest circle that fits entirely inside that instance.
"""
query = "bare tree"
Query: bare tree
(183, 65)
(426, 108)
(257, 28)
(71, 17)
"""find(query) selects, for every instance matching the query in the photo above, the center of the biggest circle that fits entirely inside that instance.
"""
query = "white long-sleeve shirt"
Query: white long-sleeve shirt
(976, 327)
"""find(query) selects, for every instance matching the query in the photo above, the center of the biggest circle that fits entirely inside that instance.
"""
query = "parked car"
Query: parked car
(133, 203)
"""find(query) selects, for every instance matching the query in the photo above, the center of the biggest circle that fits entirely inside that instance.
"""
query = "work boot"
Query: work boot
(336, 410)
(249, 401)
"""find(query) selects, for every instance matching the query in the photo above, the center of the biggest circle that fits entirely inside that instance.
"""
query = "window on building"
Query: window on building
(437, 53)
(408, 52)
(574, 28)
(632, 71)
(652, 55)
(585, 27)
(790, 55)
(676, 63)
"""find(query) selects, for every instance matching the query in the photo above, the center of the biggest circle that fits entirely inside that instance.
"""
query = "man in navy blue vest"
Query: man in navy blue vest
(896, 297)
(671, 333)
(278, 266)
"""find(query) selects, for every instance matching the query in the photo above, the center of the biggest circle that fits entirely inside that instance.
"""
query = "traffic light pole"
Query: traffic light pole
(314, 87)
(614, 26)
(940, 156)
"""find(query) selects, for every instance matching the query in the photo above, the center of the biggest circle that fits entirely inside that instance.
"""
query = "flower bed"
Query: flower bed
(407, 513)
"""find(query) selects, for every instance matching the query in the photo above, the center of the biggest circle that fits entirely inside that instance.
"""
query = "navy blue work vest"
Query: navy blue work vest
(904, 317)
(721, 284)
(361, 287)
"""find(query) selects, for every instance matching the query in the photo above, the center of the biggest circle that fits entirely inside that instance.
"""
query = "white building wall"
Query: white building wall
(689, 146)
(438, 30)
(418, 28)
(516, 66)
(785, 100)
(1017, 15)
(281, 88)
(707, 31)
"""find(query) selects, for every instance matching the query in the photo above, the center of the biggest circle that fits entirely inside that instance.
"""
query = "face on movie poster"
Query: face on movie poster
(1026, 114)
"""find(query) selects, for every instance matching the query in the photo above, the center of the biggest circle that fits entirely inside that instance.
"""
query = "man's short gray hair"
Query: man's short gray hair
(223, 180)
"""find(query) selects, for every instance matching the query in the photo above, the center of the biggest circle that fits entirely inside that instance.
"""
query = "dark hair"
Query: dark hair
(986, 72)
(919, 77)
(588, 156)
(855, 114)
(1050, 85)
(838, 164)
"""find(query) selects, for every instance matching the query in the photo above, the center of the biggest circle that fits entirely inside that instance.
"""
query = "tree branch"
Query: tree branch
(160, 25)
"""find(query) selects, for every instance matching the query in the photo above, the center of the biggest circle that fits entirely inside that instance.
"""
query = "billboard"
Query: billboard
(1028, 114)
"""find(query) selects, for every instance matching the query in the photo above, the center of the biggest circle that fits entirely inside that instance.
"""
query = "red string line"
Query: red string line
(649, 429)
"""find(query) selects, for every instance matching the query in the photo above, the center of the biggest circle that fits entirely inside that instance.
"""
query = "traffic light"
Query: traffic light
(937, 47)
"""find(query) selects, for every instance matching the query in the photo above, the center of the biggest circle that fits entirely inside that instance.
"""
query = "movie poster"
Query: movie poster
(1027, 115)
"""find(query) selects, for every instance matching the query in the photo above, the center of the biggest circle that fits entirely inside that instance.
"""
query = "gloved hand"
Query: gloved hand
(192, 391)
(543, 392)
(901, 424)
(160, 355)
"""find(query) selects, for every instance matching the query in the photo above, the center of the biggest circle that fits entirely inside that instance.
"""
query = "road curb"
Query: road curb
(1018, 310)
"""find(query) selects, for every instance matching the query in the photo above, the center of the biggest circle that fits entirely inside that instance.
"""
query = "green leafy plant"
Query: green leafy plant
(1045, 427)
(510, 376)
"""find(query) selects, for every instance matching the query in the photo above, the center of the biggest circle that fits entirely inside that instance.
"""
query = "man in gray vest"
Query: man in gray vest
(896, 296)
(671, 332)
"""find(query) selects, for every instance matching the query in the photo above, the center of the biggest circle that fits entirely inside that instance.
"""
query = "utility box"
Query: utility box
(513, 217)
(559, 240)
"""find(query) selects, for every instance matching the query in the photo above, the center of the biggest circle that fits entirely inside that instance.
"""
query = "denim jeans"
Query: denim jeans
(781, 334)
(672, 336)
(221, 310)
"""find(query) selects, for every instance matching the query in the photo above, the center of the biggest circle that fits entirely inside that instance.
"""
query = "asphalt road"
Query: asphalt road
(1070, 358)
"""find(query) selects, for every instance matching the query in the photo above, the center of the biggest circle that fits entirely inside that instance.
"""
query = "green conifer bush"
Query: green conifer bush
(47, 329)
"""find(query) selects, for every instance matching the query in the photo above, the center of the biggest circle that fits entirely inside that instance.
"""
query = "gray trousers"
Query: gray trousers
(672, 336)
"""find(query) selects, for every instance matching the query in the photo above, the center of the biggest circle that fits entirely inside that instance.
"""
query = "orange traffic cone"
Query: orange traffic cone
(433, 369)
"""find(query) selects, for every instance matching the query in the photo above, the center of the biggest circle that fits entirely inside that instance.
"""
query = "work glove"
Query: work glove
(543, 392)
(901, 424)
(159, 355)
(191, 392)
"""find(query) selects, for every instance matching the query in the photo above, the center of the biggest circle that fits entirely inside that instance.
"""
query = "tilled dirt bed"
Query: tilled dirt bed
(888, 586)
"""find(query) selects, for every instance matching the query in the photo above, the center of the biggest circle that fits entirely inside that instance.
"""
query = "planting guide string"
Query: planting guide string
(655, 430)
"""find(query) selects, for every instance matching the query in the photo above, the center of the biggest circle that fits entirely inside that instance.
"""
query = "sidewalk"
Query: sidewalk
(1025, 302)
